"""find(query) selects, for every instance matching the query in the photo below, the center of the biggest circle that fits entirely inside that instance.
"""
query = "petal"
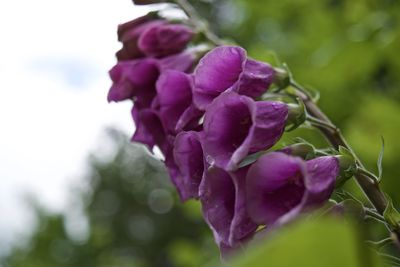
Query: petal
(141, 134)
(319, 182)
(129, 34)
(227, 123)
(222, 195)
(189, 119)
(322, 173)
(173, 170)
(217, 71)
(274, 186)
(188, 155)
(149, 129)
(174, 94)
(182, 62)
(163, 40)
(255, 78)
(236, 125)
(133, 78)
(217, 196)
(242, 226)
(269, 120)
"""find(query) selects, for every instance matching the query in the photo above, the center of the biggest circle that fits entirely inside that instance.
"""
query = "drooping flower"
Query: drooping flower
(189, 159)
(129, 34)
(279, 186)
(149, 129)
(137, 78)
(174, 101)
(229, 68)
(134, 78)
(150, 36)
(236, 125)
(165, 39)
(223, 196)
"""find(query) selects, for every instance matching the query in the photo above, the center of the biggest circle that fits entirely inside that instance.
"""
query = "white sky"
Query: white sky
(54, 58)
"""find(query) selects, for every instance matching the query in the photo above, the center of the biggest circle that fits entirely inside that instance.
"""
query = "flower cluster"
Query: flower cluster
(206, 118)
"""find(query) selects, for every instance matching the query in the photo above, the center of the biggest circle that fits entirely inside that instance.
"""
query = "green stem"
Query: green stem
(320, 123)
(198, 22)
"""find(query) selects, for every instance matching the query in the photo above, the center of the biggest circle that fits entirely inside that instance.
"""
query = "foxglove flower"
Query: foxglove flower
(147, 36)
(149, 129)
(236, 125)
(137, 78)
(165, 39)
(130, 32)
(279, 186)
(174, 100)
(134, 78)
(188, 156)
(229, 68)
(223, 199)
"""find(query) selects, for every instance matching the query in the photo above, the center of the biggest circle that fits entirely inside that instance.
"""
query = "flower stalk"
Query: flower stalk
(197, 22)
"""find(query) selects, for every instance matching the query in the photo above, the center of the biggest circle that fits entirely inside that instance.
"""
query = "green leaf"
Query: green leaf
(251, 158)
(328, 242)
(380, 159)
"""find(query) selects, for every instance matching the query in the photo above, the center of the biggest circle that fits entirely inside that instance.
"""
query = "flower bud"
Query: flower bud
(297, 116)
(282, 78)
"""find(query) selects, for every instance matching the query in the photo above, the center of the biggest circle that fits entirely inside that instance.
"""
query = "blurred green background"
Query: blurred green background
(348, 50)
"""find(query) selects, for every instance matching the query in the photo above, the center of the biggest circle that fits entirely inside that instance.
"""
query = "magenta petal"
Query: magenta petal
(322, 173)
(319, 183)
(189, 119)
(174, 101)
(274, 185)
(228, 68)
(227, 124)
(217, 196)
(236, 125)
(280, 187)
(164, 39)
(174, 95)
(133, 78)
(149, 129)
(242, 227)
(141, 134)
(222, 197)
(217, 71)
(129, 34)
(255, 79)
(269, 120)
(173, 169)
(188, 155)
(182, 62)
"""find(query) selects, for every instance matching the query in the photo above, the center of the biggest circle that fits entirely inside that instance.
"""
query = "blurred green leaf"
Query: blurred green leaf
(328, 242)
(380, 159)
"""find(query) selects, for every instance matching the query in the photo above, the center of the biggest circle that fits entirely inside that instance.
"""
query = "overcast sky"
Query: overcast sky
(54, 58)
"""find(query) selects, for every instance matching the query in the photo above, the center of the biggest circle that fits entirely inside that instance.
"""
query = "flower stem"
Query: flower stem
(198, 22)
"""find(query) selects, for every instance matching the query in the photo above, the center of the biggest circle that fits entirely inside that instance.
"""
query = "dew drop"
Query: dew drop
(210, 160)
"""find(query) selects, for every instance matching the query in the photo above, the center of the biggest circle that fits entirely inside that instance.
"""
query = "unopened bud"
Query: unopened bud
(282, 78)
(297, 116)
